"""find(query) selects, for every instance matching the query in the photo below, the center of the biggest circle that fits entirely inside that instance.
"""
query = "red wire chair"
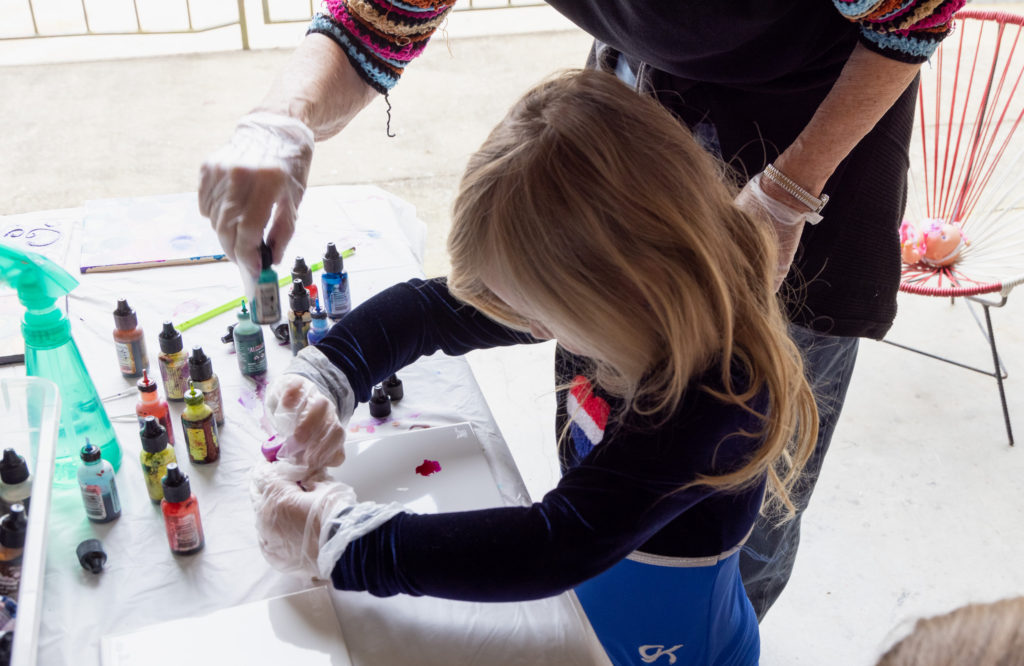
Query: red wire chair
(966, 167)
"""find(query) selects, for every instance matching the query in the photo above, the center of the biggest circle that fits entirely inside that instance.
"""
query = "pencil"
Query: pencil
(231, 305)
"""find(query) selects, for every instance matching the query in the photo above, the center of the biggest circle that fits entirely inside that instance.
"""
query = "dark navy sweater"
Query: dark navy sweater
(620, 489)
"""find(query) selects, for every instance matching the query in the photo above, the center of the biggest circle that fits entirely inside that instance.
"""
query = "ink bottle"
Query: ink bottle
(200, 370)
(157, 453)
(337, 299)
(181, 513)
(380, 403)
(393, 387)
(299, 318)
(12, 546)
(129, 342)
(318, 326)
(150, 404)
(200, 428)
(17, 481)
(99, 489)
(173, 363)
(300, 271)
(250, 349)
(266, 303)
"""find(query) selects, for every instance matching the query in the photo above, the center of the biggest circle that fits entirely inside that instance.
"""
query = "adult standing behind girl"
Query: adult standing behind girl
(589, 215)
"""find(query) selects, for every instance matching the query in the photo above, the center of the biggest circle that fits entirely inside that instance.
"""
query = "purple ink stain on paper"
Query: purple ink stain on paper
(428, 467)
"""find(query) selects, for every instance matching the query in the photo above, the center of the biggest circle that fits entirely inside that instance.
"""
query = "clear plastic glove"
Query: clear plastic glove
(291, 515)
(308, 419)
(788, 223)
(262, 171)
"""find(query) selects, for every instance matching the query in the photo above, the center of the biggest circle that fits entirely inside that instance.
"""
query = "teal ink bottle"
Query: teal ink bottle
(318, 326)
(300, 271)
(337, 299)
(99, 489)
(129, 341)
(181, 513)
(250, 349)
(17, 480)
(299, 318)
(266, 302)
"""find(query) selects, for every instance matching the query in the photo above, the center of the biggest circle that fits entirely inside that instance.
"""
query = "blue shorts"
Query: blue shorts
(650, 609)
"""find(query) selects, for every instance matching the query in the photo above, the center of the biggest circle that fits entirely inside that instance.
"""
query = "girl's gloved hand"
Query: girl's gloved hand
(308, 419)
(787, 222)
(262, 171)
(291, 515)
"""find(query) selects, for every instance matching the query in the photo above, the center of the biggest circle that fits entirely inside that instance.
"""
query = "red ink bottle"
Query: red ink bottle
(150, 404)
(128, 339)
(181, 513)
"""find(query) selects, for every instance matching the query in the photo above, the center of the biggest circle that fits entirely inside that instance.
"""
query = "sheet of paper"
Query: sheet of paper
(299, 628)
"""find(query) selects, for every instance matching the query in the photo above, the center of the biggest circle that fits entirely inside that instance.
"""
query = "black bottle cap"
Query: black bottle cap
(230, 337)
(176, 486)
(91, 555)
(333, 263)
(298, 298)
(300, 271)
(393, 387)
(124, 316)
(153, 435)
(200, 367)
(266, 255)
(170, 339)
(146, 385)
(380, 404)
(13, 468)
(90, 452)
(12, 527)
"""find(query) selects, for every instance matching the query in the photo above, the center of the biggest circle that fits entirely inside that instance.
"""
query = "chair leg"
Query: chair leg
(998, 372)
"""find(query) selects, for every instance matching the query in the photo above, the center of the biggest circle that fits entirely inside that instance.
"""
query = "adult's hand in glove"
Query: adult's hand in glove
(262, 171)
(787, 222)
(308, 420)
(291, 514)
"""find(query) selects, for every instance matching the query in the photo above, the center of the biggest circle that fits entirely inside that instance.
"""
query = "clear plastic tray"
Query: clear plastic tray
(29, 418)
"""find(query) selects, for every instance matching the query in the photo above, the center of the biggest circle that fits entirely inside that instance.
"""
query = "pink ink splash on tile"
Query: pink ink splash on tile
(428, 467)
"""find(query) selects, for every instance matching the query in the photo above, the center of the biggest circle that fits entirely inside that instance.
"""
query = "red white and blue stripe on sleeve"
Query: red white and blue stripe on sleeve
(381, 37)
(905, 30)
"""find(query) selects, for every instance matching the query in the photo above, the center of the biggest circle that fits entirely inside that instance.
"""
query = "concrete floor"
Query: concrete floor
(919, 507)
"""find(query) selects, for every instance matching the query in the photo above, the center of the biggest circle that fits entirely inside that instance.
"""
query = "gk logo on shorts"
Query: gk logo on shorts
(649, 657)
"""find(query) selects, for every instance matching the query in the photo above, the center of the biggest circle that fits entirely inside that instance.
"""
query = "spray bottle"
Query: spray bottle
(50, 352)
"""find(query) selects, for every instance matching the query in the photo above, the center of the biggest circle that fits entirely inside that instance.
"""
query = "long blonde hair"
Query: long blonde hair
(977, 634)
(610, 220)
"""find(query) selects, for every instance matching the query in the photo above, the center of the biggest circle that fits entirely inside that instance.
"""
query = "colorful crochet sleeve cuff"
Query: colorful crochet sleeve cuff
(905, 30)
(381, 37)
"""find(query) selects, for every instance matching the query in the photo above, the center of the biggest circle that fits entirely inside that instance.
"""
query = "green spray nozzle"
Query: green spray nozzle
(39, 283)
(38, 280)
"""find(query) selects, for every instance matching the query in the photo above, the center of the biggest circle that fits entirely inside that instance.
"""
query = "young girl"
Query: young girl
(589, 216)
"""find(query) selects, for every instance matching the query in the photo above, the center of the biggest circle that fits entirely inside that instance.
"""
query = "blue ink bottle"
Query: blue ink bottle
(318, 327)
(337, 299)
(99, 490)
(266, 303)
